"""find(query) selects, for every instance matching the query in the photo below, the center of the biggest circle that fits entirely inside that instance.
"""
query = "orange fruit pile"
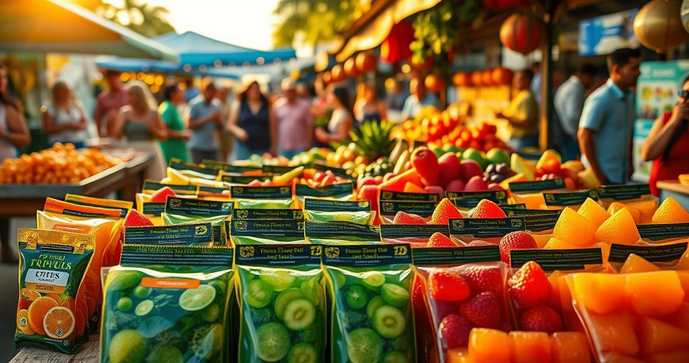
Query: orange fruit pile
(670, 212)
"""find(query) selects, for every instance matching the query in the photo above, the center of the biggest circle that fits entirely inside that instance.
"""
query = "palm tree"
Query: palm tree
(136, 15)
(315, 20)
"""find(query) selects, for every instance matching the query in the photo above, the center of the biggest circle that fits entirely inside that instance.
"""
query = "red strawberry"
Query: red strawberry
(454, 331)
(370, 193)
(446, 285)
(488, 209)
(449, 170)
(440, 240)
(541, 318)
(136, 219)
(483, 278)
(444, 308)
(476, 184)
(161, 195)
(408, 218)
(455, 186)
(482, 310)
(529, 286)
(519, 240)
(426, 163)
(445, 211)
(479, 243)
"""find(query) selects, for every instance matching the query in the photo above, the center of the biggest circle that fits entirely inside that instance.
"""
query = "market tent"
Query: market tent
(46, 26)
(147, 65)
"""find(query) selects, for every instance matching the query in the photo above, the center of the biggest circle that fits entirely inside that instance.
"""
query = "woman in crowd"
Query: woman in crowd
(342, 119)
(64, 120)
(668, 142)
(177, 134)
(250, 122)
(13, 130)
(141, 126)
(369, 107)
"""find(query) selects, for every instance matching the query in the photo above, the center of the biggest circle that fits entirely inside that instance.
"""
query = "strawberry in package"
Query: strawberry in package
(406, 212)
(467, 201)
(416, 236)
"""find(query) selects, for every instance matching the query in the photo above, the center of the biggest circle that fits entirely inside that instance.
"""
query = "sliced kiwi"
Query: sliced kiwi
(389, 321)
(373, 279)
(394, 295)
(356, 297)
(258, 294)
(303, 353)
(373, 305)
(285, 297)
(299, 314)
(279, 280)
(273, 342)
(364, 345)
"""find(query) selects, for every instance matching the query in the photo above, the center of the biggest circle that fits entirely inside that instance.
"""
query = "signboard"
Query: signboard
(604, 34)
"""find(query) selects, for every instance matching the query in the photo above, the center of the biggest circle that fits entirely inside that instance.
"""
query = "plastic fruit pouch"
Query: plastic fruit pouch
(531, 192)
(401, 196)
(213, 193)
(325, 210)
(464, 231)
(233, 179)
(540, 225)
(153, 211)
(266, 231)
(370, 289)
(198, 234)
(635, 259)
(151, 187)
(262, 197)
(185, 211)
(634, 317)
(286, 214)
(637, 198)
(416, 235)
(120, 205)
(168, 304)
(229, 168)
(339, 191)
(282, 302)
(338, 232)
(462, 288)
(389, 208)
(466, 201)
(663, 233)
(539, 295)
(51, 312)
(571, 199)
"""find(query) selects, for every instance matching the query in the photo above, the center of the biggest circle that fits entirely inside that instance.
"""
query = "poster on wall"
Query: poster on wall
(604, 34)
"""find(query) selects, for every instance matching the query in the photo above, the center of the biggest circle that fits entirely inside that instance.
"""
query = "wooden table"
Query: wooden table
(88, 352)
(676, 190)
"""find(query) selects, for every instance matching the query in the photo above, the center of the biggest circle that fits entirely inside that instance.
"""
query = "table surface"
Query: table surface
(673, 185)
(89, 352)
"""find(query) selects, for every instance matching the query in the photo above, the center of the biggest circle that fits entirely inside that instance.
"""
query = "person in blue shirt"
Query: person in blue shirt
(607, 120)
(536, 81)
(568, 103)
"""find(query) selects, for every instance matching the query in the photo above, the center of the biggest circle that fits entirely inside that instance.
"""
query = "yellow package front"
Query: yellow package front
(531, 192)
(636, 198)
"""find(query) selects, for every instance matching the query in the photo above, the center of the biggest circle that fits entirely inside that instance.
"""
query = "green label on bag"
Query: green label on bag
(665, 253)
(412, 230)
(245, 192)
(279, 255)
(341, 230)
(183, 165)
(334, 190)
(341, 172)
(177, 188)
(275, 169)
(423, 209)
(153, 209)
(366, 256)
(212, 190)
(328, 205)
(197, 207)
(480, 227)
(186, 234)
(569, 198)
(238, 214)
(657, 232)
(214, 164)
(537, 186)
(244, 179)
(123, 211)
(76, 213)
(455, 256)
(551, 260)
(421, 197)
(510, 207)
(143, 255)
(471, 199)
(620, 192)
(540, 222)
(268, 228)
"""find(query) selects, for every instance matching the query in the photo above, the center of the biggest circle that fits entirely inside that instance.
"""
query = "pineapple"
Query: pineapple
(373, 139)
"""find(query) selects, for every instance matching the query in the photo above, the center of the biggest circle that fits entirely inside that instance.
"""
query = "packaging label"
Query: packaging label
(364, 256)
(511, 207)
(334, 190)
(212, 190)
(486, 227)
(177, 188)
(185, 234)
(423, 209)
(279, 255)
(197, 207)
(455, 256)
(551, 260)
(328, 205)
(245, 192)
(143, 255)
(540, 222)
(519, 212)
(268, 228)
(621, 192)
(399, 196)
(569, 198)
(471, 199)
(664, 253)
(657, 232)
(154, 209)
(412, 230)
(341, 229)
(243, 179)
(123, 211)
(183, 165)
(159, 283)
(537, 186)
(238, 214)
(38, 278)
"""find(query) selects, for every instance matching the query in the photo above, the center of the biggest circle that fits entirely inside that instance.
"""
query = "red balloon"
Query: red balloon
(521, 33)
(350, 68)
(487, 77)
(476, 79)
(337, 74)
(502, 76)
(434, 83)
(366, 62)
(462, 79)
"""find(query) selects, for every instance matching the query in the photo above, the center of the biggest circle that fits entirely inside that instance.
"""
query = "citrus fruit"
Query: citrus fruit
(206, 341)
(273, 342)
(124, 304)
(364, 345)
(389, 321)
(258, 294)
(55, 297)
(670, 212)
(122, 280)
(279, 280)
(373, 305)
(23, 322)
(29, 294)
(373, 279)
(142, 292)
(127, 346)
(395, 357)
(574, 228)
(593, 212)
(165, 353)
(37, 311)
(619, 228)
(284, 298)
(198, 298)
(210, 313)
(144, 307)
(394, 295)
(356, 297)
(303, 353)
(299, 314)
(59, 322)
(69, 303)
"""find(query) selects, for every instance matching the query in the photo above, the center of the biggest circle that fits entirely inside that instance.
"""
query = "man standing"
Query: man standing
(291, 123)
(205, 117)
(225, 137)
(522, 113)
(109, 102)
(418, 99)
(607, 121)
(569, 101)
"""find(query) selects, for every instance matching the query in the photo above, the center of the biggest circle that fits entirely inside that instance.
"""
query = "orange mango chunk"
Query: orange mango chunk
(458, 355)
(489, 345)
(684, 280)
(529, 347)
(614, 333)
(558, 244)
(569, 347)
(654, 293)
(616, 206)
(599, 293)
(656, 336)
(680, 317)
(593, 212)
(541, 239)
(636, 264)
(619, 228)
(647, 207)
(620, 358)
(413, 188)
(680, 356)
(670, 212)
(575, 229)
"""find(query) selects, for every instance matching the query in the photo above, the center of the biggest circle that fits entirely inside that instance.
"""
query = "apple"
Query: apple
(456, 185)
(469, 169)
(450, 169)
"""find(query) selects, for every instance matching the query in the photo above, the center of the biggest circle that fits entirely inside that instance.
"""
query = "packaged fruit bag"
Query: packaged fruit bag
(462, 288)
(414, 234)
(339, 191)
(153, 211)
(572, 199)
(233, 179)
(262, 197)
(167, 304)
(51, 312)
(150, 187)
(282, 301)
(266, 231)
(185, 211)
(409, 196)
(389, 209)
(324, 210)
(120, 205)
(663, 233)
(180, 165)
(371, 312)
(339, 232)
(634, 259)
(466, 201)
(197, 234)
(491, 230)
(531, 192)
(230, 168)
(634, 317)
(280, 214)
(636, 198)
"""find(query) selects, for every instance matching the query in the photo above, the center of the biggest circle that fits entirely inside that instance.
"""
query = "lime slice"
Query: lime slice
(279, 280)
(144, 307)
(198, 298)
(373, 279)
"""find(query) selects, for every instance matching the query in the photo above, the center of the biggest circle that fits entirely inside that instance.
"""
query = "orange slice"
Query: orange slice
(23, 322)
(59, 322)
(37, 312)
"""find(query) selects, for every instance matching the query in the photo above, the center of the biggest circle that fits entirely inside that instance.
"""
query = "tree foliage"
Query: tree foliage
(313, 20)
(136, 15)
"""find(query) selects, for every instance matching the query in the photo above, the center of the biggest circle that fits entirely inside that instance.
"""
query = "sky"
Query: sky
(247, 23)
